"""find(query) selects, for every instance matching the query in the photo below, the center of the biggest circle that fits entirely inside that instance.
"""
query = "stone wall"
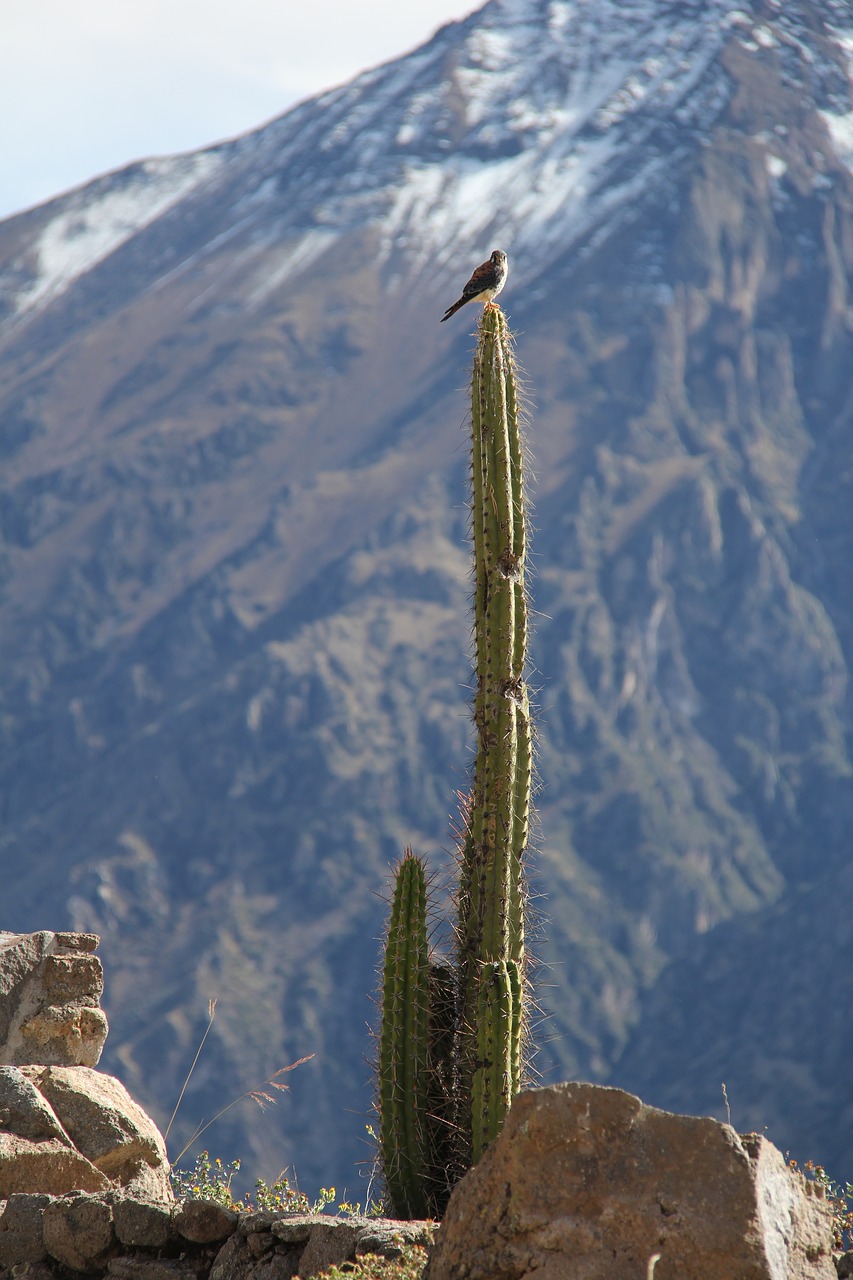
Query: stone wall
(42, 1237)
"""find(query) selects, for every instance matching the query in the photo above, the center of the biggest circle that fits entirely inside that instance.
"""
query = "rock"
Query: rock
(332, 1242)
(75, 1129)
(50, 990)
(136, 1268)
(141, 1223)
(45, 1270)
(63, 1125)
(47, 1166)
(21, 1237)
(259, 1243)
(250, 1223)
(236, 1261)
(107, 1127)
(205, 1222)
(266, 1247)
(78, 1231)
(23, 1110)
(387, 1237)
(294, 1230)
(587, 1183)
(70, 1034)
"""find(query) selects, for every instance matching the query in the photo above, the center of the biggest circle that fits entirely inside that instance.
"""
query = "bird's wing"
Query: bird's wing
(483, 278)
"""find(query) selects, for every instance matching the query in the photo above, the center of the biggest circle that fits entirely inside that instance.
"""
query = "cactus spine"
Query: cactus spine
(471, 1066)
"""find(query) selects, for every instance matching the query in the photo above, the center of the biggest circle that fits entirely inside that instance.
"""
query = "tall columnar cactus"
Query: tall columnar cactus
(491, 897)
(438, 1114)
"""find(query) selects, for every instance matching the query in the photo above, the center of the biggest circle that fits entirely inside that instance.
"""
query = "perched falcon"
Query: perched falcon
(484, 285)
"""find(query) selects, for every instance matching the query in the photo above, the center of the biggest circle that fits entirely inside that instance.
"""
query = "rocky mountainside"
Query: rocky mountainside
(233, 613)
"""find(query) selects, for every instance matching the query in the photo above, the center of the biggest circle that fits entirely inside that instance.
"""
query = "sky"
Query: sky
(90, 85)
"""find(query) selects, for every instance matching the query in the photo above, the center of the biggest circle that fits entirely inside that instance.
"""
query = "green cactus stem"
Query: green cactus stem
(492, 896)
(495, 1079)
(403, 1046)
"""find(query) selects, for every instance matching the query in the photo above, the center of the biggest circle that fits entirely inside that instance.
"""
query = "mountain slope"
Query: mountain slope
(233, 615)
(777, 1041)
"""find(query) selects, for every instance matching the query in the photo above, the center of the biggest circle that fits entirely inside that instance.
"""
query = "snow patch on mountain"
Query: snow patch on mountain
(840, 129)
(840, 124)
(534, 124)
(92, 224)
(576, 112)
(285, 262)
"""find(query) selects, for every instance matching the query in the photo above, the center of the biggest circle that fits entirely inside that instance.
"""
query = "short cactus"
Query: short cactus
(403, 1041)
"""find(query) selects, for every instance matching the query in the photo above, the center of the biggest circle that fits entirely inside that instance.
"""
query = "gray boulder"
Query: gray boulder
(204, 1222)
(21, 1239)
(50, 991)
(48, 1165)
(141, 1222)
(23, 1110)
(588, 1183)
(107, 1127)
(78, 1231)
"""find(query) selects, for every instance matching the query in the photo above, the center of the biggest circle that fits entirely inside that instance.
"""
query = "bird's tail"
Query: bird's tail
(451, 311)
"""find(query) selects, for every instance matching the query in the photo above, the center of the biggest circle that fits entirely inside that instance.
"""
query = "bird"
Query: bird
(484, 285)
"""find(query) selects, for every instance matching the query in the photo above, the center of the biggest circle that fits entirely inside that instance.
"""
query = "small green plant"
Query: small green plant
(837, 1197)
(211, 1179)
(281, 1197)
(207, 1180)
